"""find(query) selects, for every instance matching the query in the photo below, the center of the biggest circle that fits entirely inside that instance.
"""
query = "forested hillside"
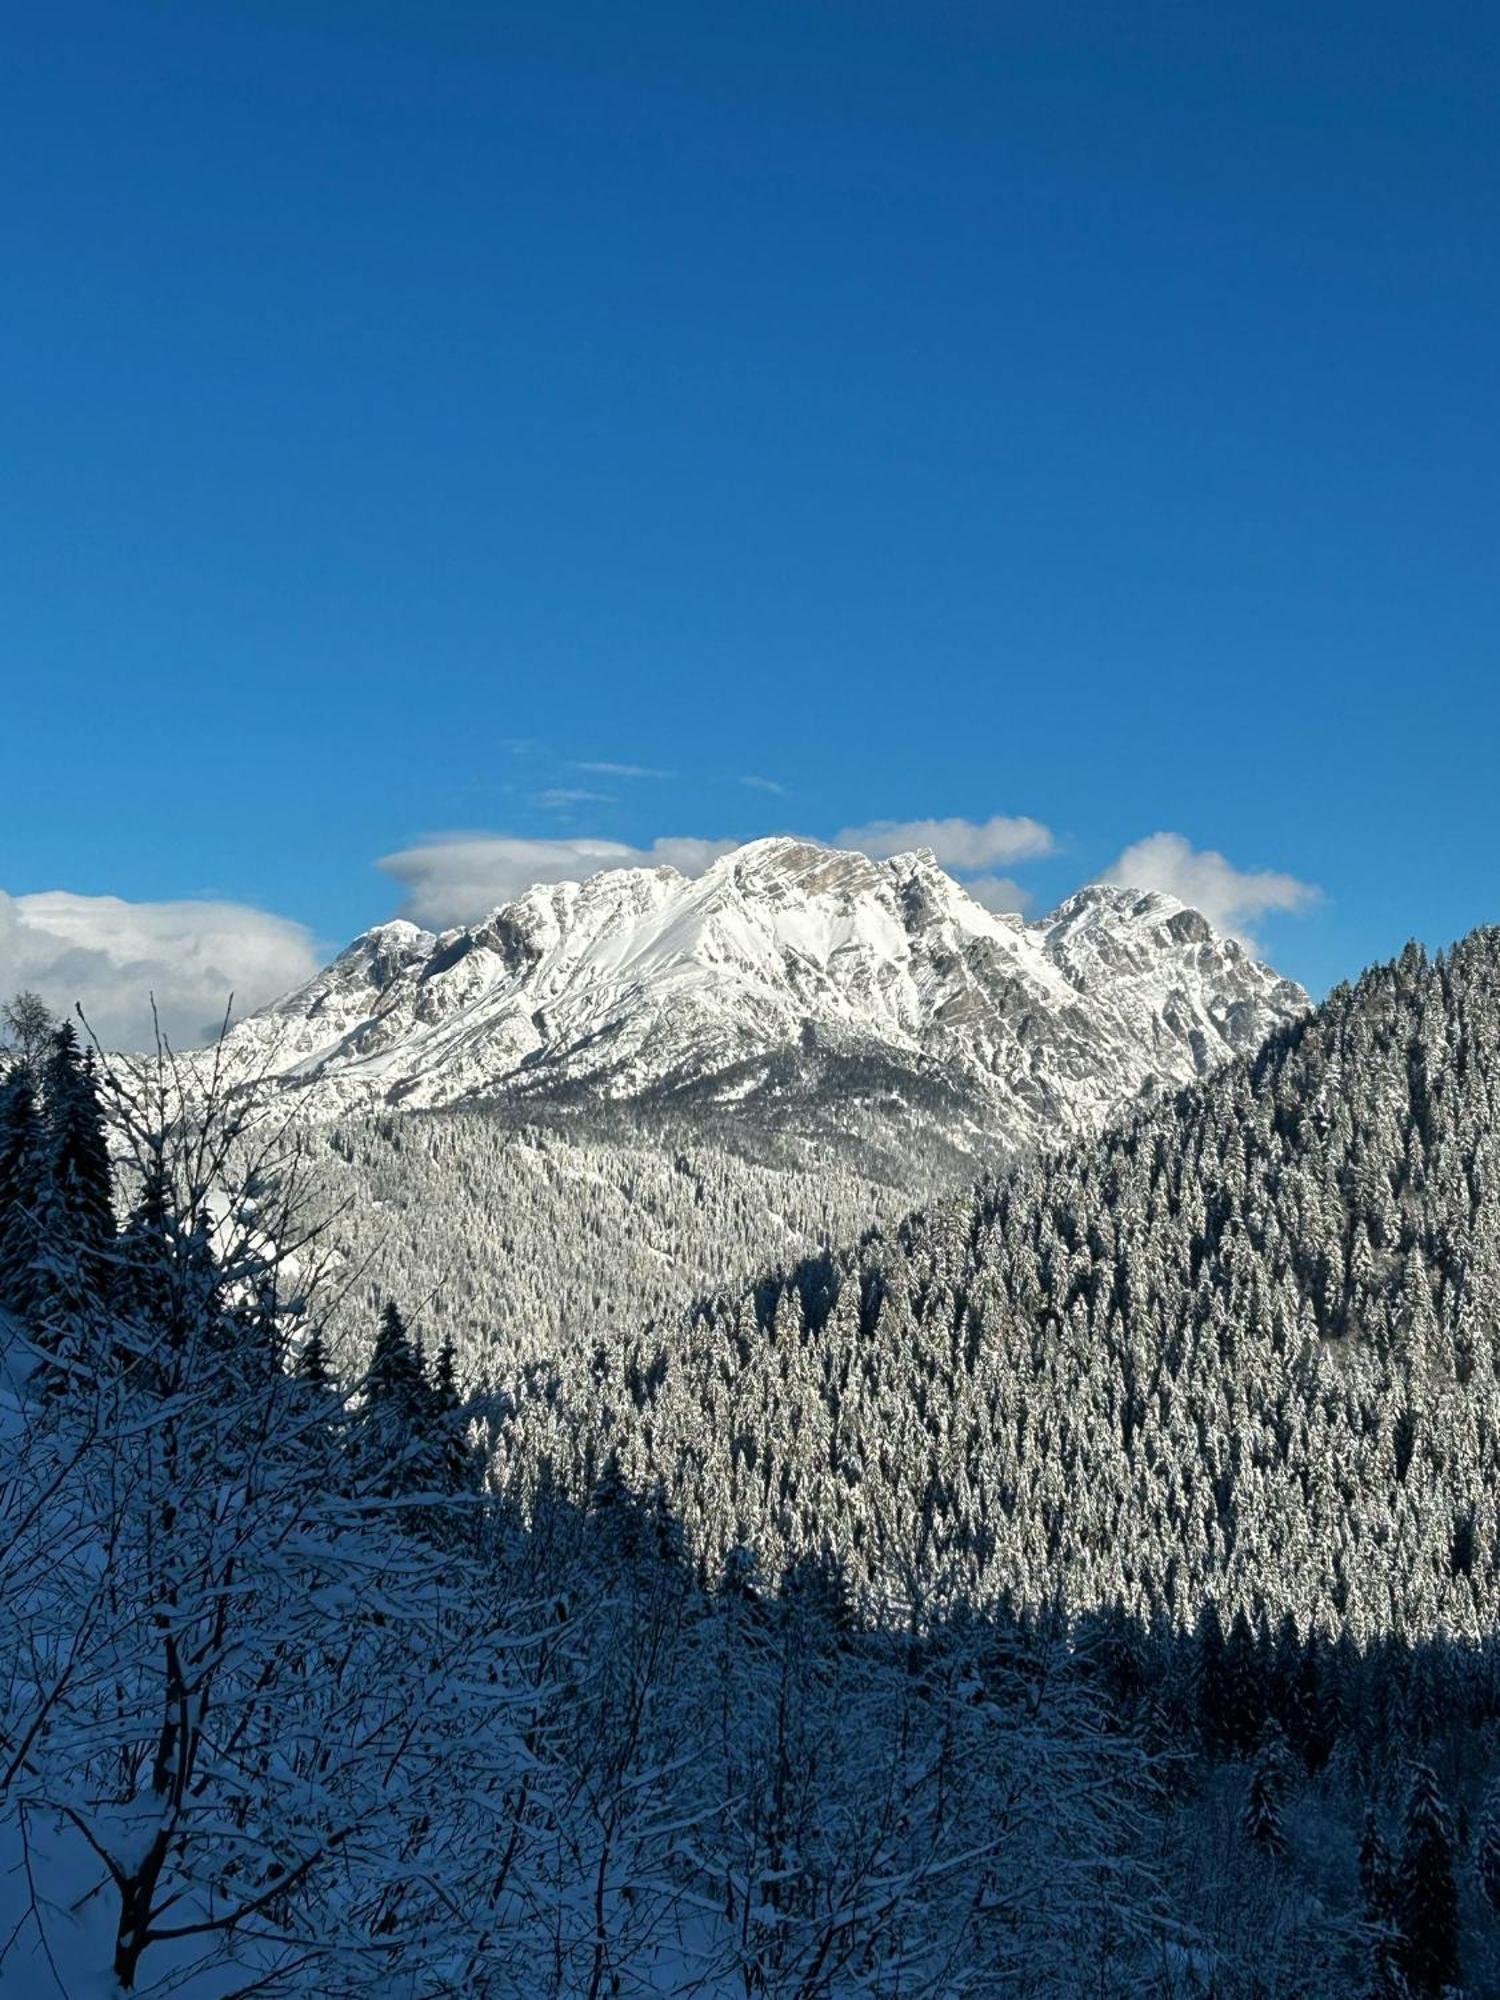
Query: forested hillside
(510, 1234)
(1243, 1352)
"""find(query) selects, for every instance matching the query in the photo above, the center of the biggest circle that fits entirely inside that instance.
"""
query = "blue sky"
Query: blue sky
(935, 412)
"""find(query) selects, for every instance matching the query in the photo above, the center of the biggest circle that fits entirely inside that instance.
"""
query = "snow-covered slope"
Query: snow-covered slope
(788, 972)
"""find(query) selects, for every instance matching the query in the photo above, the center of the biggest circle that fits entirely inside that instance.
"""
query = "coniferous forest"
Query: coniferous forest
(1088, 1584)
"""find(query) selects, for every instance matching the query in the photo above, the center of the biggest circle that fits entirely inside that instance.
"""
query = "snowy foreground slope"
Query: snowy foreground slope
(788, 972)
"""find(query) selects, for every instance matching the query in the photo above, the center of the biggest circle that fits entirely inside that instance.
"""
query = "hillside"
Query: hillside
(1241, 1351)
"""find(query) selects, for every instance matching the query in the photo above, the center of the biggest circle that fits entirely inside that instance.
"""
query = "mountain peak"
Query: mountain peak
(788, 862)
(787, 967)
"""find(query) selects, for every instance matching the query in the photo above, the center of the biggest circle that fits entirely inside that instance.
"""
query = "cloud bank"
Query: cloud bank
(460, 878)
(111, 956)
(957, 843)
(1231, 898)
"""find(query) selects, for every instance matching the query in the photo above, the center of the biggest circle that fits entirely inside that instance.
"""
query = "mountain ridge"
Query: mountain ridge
(787, 970)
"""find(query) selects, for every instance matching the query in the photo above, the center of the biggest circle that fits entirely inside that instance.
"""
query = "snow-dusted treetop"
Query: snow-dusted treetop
(787, 969)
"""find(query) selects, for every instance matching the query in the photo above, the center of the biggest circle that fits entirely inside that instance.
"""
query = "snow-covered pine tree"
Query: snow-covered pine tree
(21, 1170)
(1426, 1890)
(391, 1438)
(313, 1365)
(1487, 1848)
(77, 1151)
(1269, 1778)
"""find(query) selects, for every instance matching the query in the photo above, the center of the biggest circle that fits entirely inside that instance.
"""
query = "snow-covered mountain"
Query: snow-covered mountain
(787, 973)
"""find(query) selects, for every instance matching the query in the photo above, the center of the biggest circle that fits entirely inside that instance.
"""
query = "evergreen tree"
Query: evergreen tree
(1377, 1893)
(1244, 1687)
(312, 1362)
(166, 1282)
(1487, 1848)
(1230, 1684)
(1427, 1895)
(453, 1456)
(77, 1154)
(20, 1191)
(391, 1436)
(1261, 1819)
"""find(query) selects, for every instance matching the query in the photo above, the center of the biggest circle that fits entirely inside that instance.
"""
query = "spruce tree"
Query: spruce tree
(149, 1291)
(454, 1458)
(394, 1379)
(1261, 1819)
(1427, 1895)
(1487, 1848)
(1377, 1892)
(20, 1188)
(390, 1438)
(1231, 1699)
(312, 1362)
(1244, 1676)
(77, 1154)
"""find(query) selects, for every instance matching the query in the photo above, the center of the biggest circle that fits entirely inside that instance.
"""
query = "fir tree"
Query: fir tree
(1487, 1848)
(453, 1455)
(150, 1286)
(1244, 1687)
(1427, 1895)
(392, 1420)
(1231, 1696)
(1261, 1819)
(1377, 1893)
(20, 1190)
(312, 1362)
(77, 1155)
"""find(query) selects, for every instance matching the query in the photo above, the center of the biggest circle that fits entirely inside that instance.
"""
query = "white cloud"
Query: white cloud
(602, 768)
(112, 956)
(765, 785)
(558, 797)
(459, 878)
(998, 893)
(957, 843)
(1231, 898)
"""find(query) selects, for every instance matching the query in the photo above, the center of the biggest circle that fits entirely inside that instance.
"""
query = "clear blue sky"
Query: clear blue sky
(1081, 412)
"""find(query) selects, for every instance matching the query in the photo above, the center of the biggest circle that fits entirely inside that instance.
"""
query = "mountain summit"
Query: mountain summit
(788, 971)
